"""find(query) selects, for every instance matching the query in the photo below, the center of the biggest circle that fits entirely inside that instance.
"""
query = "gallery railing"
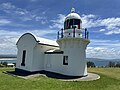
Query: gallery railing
(85, 33)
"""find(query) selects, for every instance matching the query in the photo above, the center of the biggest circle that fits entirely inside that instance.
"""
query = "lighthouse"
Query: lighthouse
(66, 55)
(73, 40)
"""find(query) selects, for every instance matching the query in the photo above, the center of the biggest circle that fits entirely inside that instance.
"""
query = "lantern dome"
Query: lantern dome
(72, 15)
(72, 20)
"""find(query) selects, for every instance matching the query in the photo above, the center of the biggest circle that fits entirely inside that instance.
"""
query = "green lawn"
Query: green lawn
(110, 80)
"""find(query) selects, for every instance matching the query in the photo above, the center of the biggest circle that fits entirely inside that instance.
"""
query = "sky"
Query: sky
(44, 18)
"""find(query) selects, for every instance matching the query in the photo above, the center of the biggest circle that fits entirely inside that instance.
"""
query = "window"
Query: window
(65, 60)
(70, 23)
(76, 21)
(23, 58)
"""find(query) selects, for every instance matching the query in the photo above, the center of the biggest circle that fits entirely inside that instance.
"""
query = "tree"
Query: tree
(5, 64)
(111, 64)
(90, 64)
(117, 65)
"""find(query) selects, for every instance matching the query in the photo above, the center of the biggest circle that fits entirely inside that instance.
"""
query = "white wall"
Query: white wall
(69, 33)
(54, 63)
(75, 48)
(26, 42)
(39, 56)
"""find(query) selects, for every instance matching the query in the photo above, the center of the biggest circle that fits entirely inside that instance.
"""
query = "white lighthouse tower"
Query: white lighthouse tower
(73, 43)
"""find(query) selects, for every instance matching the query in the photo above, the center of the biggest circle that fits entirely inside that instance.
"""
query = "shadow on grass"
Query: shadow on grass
(45, 73)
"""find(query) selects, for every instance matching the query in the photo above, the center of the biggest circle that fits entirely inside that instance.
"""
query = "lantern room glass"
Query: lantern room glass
(70, 23)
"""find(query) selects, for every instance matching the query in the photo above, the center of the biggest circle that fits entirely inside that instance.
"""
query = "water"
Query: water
(103, 63)
(8, 61)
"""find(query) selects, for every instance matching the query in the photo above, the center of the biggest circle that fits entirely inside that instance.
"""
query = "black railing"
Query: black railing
(60, 33)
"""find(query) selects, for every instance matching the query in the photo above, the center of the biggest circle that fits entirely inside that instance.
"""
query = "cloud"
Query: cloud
(42, 19)
(105, 49)
(88, 21)
(7, 6)
(108, 25)
(23, 14)
(102, 30)
(4, 21)
(111, 25)
(42, 32)
(7, 42)
(105, 43)
(8, 39)
(59, 22)
(103, 53)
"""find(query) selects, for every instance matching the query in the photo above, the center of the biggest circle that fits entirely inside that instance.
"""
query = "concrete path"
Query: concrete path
(90, 77)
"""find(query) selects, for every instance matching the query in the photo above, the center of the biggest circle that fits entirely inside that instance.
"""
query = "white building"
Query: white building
(66, 56)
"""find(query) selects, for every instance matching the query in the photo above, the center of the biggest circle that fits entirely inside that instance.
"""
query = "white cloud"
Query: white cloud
(4, 21)
(8, 39)
(111, 25)
(22, 13)
(7, 6)
(88, 21)
(106, 43)
(111, 22)
(103, 53)
(42, 33)
(108, 25)
(113, 30)
(102, 30)
(43, 19)
(7, 42)
(59, 22)
(105, 49)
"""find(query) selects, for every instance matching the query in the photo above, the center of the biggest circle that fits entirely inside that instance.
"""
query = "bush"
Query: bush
(3, 64)
(90, 64)
(111, 64)
(117, 65)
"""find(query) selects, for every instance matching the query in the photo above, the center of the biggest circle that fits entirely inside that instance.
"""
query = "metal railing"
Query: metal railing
(85, 33)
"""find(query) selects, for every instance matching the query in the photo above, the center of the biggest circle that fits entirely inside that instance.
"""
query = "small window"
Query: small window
(65, 60)
(23, 58)
(69, 33)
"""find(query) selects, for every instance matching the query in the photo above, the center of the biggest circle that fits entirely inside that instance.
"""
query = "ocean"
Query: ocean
(8, 60)
(103, 63)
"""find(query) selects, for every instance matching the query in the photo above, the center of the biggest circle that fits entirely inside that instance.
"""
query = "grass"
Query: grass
(110, 80)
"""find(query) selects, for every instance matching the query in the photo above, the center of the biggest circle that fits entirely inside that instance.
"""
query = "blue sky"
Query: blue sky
(45, 17)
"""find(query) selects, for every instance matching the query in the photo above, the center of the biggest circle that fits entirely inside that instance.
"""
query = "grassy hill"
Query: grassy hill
(110, 80)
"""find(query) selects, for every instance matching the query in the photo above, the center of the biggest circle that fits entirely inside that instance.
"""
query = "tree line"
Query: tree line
(110, 64)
